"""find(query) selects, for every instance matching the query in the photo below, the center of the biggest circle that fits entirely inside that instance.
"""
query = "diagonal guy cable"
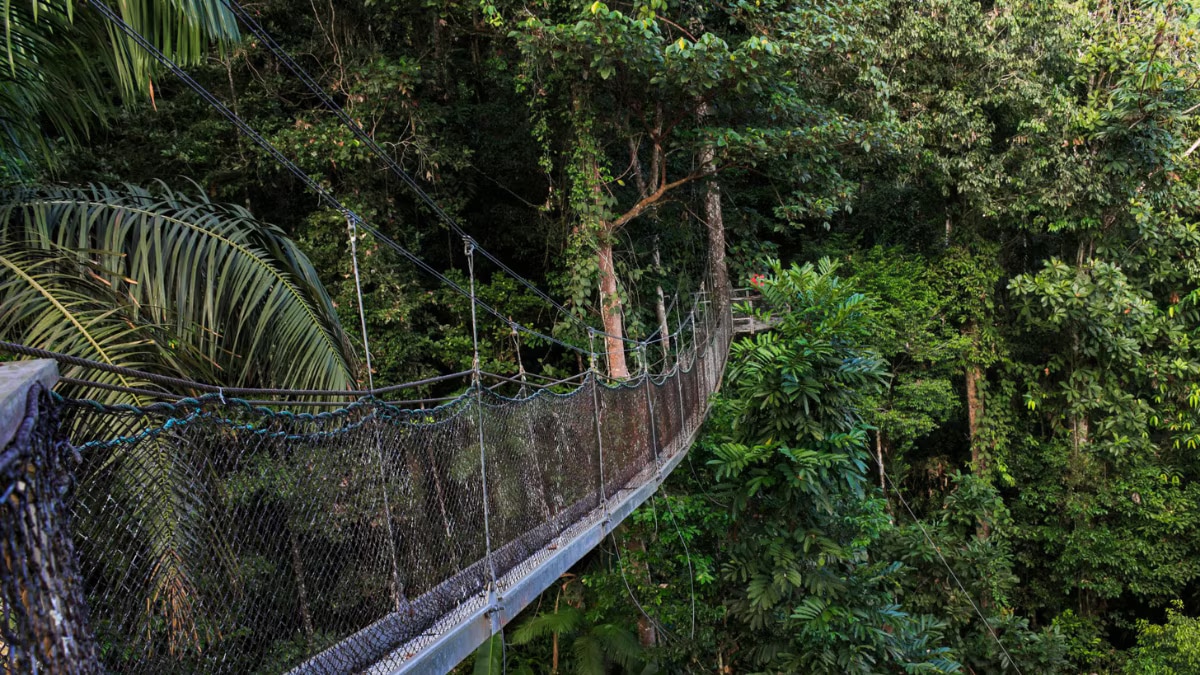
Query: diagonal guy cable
(355, 128)
(938, 551)
(291, 166)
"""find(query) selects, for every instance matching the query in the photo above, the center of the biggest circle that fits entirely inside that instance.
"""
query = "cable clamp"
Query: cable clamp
(221, 393)
(468, 245)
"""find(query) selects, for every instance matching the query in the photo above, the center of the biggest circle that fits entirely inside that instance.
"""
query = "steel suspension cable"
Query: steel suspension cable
(291, 166)
(942, 558)
(361, 134)
(398, 587)
(362, 313)
(496, 598)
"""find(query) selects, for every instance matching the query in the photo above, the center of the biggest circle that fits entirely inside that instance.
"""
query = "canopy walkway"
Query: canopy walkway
(208, 530)
(215, 534)
(745, 302)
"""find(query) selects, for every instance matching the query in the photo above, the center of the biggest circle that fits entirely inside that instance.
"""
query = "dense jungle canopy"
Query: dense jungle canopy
(969, 444)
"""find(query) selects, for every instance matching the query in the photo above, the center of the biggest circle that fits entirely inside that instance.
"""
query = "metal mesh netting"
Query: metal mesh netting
(43, 618)
(224, 537)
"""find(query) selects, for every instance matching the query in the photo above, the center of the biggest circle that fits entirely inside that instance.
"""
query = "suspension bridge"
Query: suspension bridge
(178, 526)
(368, 537)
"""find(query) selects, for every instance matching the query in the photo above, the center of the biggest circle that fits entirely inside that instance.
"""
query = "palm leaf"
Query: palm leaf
(619, 645)
(49, 78)
(163, 283)
(59, 59)
(589, 655)
(55, 301)
(184, 30)
(231, 289)
(567, 619)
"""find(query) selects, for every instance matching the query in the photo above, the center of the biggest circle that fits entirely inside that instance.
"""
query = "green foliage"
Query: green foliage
(985, 566)
(1173, 647)
(1011, 186)
(60, 63)
(793, 468)
(182, 285)
(577, 644)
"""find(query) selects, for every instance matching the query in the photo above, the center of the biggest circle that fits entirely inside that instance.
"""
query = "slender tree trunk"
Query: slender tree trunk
(647, 633)
(610, 309)
(301, 590)
(713, 215)
(975, 412)
(879, 459)
(660, 308)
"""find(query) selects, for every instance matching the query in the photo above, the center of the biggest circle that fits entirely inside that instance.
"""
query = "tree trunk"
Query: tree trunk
(713, 215)
(647, 634)
(301, 590)
(975, 404)
(610, 309)
(974, 416)
(660, 309)
(1079, 427)
(975, 412)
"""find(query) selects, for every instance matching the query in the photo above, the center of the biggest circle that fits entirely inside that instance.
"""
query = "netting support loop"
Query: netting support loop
(596, 422)
(398, 588)
(649, 384)
(494, 596)
(683, 412)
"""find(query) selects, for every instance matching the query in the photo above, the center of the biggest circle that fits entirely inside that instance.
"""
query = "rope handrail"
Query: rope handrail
(353, 532)
(168, 380)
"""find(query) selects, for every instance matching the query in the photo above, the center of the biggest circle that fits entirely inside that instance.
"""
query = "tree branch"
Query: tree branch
(652, 198)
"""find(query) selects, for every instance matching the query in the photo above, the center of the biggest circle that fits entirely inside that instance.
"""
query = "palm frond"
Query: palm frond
(566, 619)
(184, 30)
(58, 59)
(619, 645)
(47, 79)
(232, 290)
(588, 654)
(54, 301)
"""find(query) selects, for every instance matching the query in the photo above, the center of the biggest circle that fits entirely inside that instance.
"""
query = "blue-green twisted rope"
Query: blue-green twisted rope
(380, 410)
(170, 407)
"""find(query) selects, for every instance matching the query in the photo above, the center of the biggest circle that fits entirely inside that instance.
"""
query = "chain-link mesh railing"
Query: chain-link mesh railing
(43, 616)
(219, 536)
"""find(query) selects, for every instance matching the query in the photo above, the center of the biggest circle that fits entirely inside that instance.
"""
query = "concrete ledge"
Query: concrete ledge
(16, 378)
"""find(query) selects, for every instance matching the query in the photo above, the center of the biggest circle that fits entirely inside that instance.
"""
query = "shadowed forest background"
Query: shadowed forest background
(976, 223)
